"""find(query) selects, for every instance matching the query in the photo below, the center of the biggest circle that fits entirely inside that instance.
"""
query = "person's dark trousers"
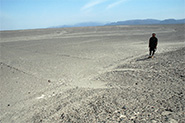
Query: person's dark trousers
(152, 51)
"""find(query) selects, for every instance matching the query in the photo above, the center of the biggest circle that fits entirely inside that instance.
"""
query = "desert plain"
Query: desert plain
(92, 75)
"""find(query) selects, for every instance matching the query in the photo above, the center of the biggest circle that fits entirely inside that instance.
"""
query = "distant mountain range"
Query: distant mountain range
(85, 24)
(148, 21)
(127, 22)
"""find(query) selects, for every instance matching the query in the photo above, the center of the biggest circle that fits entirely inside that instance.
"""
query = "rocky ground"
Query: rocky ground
(92, 74)
(141, 90)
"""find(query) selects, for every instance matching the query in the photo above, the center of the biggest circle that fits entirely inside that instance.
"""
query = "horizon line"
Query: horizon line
(105, 24)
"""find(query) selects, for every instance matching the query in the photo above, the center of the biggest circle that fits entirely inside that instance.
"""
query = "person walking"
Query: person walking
(152, 45)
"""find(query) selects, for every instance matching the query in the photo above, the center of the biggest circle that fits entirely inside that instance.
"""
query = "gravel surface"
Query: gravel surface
(92, 75)
(143, 90)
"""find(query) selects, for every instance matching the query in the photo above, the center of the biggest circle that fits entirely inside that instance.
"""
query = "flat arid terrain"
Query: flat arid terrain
(92, 75)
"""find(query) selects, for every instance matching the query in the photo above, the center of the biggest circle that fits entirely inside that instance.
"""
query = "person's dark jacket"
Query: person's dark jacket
(153, 42)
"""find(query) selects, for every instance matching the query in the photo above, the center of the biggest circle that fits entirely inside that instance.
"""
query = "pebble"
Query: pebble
(62, 116)
(172, 121)
(153, 121)
(169, 110)
(123, 107)
(133, 117)
(181, 75)
(123, 116)
(166, 113)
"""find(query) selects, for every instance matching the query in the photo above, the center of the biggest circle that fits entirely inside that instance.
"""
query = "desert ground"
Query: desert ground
(92, 75)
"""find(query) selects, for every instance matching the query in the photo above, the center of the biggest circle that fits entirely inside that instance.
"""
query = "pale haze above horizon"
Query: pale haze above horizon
(31, 14)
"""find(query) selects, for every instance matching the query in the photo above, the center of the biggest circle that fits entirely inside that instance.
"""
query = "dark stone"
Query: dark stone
(62, 116)
(123, 107)
(169, 110)
(181, 75)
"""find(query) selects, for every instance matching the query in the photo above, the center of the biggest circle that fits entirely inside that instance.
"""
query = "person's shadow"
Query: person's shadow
(143, 59)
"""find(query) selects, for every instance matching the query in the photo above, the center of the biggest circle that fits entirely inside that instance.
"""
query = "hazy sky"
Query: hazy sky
(28, 14)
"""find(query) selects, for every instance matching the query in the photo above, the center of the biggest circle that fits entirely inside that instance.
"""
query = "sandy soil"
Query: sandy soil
(92, 74)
